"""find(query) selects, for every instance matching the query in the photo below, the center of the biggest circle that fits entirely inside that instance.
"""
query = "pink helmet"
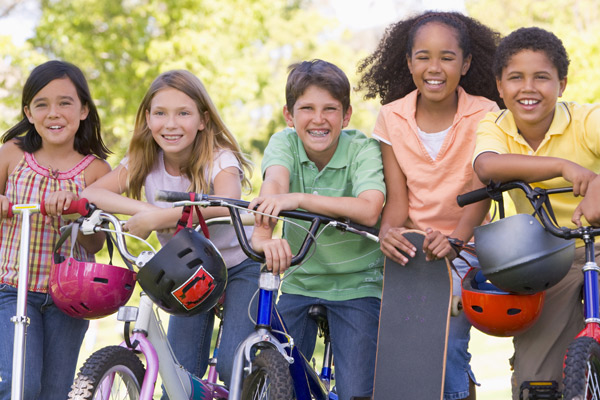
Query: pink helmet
(88, 289)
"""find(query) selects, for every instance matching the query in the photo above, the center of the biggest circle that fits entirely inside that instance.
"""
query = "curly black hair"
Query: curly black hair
(386, 73)
(535, 39)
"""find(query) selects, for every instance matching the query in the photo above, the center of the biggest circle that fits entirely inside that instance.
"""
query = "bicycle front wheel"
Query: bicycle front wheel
(270, 378)
(582, 370)
(112, 372)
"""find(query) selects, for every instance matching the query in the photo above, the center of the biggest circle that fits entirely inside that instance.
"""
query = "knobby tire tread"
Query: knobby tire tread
(272, 370)
(581, 351)
(98, 364)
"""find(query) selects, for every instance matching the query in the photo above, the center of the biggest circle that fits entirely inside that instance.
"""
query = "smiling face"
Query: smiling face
(318, 119)
(530, 87)
(56, 112)
(174, 120)
(436, 62)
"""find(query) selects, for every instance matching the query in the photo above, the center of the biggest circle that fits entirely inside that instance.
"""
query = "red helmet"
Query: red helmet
(496, 312)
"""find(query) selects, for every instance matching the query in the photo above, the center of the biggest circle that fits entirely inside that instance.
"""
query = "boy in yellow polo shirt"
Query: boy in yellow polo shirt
(554, 145)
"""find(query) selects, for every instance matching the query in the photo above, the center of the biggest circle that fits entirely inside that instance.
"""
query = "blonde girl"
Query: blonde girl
(180, 143)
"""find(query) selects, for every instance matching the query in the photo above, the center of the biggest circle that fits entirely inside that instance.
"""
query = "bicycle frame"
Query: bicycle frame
(270, 327)
(591, 296)
(20, 319)
(149, 338)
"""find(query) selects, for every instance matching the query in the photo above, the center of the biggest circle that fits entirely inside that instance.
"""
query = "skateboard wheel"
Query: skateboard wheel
(456, 306)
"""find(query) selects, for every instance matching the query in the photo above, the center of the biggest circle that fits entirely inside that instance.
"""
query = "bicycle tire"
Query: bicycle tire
(96, 373)
(582, 370)
(270, 378)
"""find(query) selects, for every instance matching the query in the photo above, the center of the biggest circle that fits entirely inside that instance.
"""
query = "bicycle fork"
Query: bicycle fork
(149, 338)
(590, 292)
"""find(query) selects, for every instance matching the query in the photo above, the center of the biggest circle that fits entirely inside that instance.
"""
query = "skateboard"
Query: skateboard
(413, 327)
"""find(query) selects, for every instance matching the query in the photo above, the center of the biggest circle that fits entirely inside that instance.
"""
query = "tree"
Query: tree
(575, 22)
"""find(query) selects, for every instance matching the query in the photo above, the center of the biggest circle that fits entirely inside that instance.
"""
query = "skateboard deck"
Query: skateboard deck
(413, 327)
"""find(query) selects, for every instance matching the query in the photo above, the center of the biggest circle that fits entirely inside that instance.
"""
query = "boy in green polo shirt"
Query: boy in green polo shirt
(318, 166)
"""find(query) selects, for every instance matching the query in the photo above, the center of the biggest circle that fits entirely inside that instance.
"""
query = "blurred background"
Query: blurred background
(241, 49)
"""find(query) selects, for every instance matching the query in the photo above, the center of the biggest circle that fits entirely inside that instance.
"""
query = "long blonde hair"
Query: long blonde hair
(143, 150)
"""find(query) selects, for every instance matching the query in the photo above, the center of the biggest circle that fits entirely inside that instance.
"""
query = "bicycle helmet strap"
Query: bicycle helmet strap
(187, 218)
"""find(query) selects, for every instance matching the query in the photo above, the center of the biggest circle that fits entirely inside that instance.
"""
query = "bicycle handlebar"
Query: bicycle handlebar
(316, 220)
(81, 206)
(537, 197)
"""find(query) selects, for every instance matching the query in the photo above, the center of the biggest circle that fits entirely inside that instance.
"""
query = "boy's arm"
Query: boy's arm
(491, 166)
(278, 254)
(590, 205)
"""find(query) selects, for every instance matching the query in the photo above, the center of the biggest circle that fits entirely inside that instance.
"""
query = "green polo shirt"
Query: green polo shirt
(344, 265)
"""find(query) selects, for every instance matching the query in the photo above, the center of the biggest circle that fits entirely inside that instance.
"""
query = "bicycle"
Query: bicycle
(581, 374)
(20, 319)
(266, 365)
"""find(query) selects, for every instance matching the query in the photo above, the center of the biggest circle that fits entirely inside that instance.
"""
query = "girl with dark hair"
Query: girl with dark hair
(433, 75)
(51, 155)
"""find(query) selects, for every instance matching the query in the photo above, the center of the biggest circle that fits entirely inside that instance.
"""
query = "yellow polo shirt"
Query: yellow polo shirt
(574, 135)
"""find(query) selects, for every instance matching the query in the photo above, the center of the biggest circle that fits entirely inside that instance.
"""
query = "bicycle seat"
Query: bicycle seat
(318, 312)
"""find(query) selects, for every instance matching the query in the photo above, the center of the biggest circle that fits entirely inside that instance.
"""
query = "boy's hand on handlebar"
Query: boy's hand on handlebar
(436, 246)
(589, 206)
(579, 176)
(277, 252)
(273, 205)
(393, 243)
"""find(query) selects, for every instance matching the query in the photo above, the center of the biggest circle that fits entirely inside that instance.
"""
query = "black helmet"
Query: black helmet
(187, 276)
(518, 255)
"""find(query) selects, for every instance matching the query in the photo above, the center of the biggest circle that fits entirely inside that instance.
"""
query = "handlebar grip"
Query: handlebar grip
(81, 207)
(166, 195)
(472, 197)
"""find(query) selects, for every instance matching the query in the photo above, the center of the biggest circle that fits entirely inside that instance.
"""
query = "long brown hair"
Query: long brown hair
(143, 150)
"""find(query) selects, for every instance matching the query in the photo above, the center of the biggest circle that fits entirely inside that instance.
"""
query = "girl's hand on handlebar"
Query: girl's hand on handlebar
(436, 246)
(141, 224)
(393, 243)
(579, 176)
(56, 202)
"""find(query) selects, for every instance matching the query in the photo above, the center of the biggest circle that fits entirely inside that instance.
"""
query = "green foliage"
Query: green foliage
(575, 22)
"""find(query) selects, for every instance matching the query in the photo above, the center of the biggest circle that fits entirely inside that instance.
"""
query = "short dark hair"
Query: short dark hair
(534, 39)
(88, 139)
(320, 73)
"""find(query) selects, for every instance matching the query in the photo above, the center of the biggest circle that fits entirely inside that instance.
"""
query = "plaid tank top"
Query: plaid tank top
(30, 183)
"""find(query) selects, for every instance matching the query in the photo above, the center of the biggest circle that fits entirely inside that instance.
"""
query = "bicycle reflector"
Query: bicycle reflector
(187, 276)
(518, 255)
(496, 312)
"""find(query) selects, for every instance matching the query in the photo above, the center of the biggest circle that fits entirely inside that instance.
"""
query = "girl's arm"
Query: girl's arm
(94, 243)
(226, 184)
(395, 211)
(106, 192)
(491, 166)
(10, 155)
